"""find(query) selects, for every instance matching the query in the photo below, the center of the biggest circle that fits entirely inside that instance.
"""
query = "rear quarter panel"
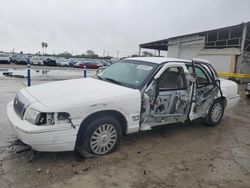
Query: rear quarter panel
(230, 91)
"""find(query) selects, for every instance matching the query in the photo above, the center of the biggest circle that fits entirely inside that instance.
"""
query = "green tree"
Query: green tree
(65, 54)
(91, 54)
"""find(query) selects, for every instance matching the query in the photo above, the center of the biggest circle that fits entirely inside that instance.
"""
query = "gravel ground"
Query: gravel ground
(172, 156)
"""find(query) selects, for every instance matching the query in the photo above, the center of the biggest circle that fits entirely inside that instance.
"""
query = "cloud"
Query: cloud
(77, 25)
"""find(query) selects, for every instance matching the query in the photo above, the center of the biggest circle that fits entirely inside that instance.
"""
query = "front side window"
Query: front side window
(172, 79)
(201, 77)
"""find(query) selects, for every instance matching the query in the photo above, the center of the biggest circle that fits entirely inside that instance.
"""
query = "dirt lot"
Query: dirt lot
(173, 156)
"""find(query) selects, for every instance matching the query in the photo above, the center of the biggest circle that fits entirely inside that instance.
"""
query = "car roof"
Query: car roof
(157, 60)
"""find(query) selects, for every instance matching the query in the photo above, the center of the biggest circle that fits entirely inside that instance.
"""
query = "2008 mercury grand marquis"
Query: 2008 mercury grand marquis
(90, 115)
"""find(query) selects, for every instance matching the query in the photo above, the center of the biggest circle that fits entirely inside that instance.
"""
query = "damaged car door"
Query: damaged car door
(168, 97)
(206, 90)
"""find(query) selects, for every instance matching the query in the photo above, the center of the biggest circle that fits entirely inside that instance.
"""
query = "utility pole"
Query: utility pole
(117, 54)
(43, 47)
(103, 55)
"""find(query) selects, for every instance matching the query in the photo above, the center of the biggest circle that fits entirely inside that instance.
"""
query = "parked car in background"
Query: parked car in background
(72, 62)
(90, 115)
(37, 60)
(114, 60)
(104, 63)
(20, 60)
(63, 62)
(50, 61)
(4, 58)
(91, 64)
(78, 64)
(247, 90)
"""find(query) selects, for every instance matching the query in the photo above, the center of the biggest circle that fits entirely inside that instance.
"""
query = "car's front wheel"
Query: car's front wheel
(215, 113)
(102, 136)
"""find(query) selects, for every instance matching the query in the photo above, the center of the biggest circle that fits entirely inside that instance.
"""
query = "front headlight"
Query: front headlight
(31, 116)
(41, 118)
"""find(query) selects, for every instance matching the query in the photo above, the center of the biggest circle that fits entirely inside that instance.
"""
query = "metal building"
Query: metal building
(228, 48)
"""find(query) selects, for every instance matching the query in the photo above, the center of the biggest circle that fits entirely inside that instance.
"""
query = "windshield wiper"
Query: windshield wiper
(114, 81)
(99, 77)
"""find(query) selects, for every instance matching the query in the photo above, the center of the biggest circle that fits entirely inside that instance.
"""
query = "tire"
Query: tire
(248, 96)
(100, 137)
(215, 113)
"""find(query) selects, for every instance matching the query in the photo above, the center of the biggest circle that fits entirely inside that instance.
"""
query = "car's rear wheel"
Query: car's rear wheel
(101, 136)
(215, 113)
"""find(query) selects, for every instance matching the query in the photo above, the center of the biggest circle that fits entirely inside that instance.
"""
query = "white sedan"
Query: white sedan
(90, 115)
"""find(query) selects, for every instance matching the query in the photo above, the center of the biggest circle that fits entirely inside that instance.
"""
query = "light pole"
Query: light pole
(43, 47)
(117, 54)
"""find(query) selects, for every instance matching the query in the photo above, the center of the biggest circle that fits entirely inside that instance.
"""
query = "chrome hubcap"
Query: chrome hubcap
(216, 112)
(103, 139)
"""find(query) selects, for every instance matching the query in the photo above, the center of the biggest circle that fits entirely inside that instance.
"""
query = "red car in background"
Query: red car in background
(91, 64)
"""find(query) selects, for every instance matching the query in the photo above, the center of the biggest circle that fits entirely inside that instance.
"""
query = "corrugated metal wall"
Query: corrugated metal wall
(221, 63)
(191, 47)
(189, 52)
(185, 47)
(173, 51)
(245, 65)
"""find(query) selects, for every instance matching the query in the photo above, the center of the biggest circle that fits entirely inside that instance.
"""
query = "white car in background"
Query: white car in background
(78, 63)
(90, 115)
(63, 62)
(4, 58)
(37, 60)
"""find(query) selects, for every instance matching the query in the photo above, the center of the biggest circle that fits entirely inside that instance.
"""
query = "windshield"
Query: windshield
(130, 73)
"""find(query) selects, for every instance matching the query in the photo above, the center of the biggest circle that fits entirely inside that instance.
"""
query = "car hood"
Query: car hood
(76, 91)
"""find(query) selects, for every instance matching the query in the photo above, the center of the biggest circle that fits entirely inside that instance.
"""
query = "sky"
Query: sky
(108, 26)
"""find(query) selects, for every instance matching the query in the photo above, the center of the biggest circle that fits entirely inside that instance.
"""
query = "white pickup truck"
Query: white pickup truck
(90, 115)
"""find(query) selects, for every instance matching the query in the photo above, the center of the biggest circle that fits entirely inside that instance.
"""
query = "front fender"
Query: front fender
(129, 108)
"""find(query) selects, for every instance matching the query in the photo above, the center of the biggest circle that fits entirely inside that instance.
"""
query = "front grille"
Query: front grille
(20, 104)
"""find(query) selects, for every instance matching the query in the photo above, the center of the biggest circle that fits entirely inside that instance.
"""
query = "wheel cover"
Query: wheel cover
(103, 139)
(216, 112)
